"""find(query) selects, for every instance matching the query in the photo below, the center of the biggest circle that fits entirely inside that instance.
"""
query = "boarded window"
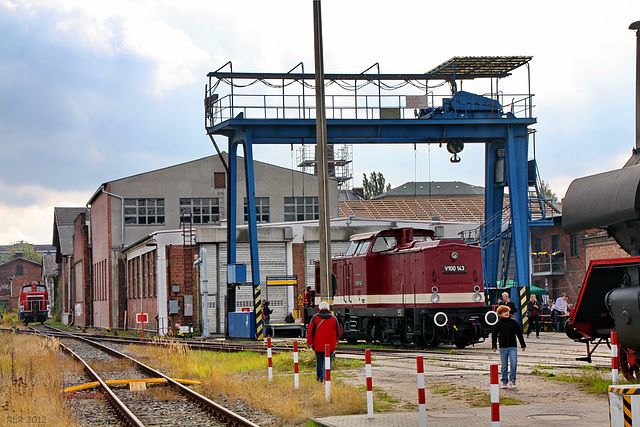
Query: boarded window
(219, 180)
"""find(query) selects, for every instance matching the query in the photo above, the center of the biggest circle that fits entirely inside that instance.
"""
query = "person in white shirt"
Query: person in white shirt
(559, 308)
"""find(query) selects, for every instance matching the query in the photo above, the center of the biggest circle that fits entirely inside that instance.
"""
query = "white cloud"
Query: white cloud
(171, 49)
(33, 222)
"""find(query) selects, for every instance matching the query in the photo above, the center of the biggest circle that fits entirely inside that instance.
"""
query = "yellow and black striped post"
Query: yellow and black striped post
(257, 308)
(523, 294)
(624, 403)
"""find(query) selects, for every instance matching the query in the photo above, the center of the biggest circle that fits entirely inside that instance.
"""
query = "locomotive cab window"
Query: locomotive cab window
(384, 243)
(41, 288)
(363, 246)
(352, 248)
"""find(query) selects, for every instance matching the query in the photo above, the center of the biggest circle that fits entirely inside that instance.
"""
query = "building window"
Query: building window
(203, 210)
(19, 270)
(143, 211)
(301, 208)
(555, 243)
(219, 180)
(574, 245)
(262, 209)
(537, 245)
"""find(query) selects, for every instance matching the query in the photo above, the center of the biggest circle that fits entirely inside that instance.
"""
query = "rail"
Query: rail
(291, 96)
(252, 106)
(221, 412)
(547, 264)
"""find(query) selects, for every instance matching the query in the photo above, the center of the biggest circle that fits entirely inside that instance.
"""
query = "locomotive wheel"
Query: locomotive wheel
(629, 362)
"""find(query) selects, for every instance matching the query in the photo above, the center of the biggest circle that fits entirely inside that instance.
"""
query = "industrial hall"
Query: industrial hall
(132, 249)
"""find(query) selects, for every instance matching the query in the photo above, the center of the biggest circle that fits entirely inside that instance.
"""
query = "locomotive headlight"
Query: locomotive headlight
(454, 255)
(477, 297)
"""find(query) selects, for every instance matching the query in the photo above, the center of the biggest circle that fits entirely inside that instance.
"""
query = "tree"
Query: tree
(27, 251)
(548, 193)
(375, 185)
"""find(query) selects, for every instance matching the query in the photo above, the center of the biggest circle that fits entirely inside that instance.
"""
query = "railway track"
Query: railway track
(558, 353)
(174, 404)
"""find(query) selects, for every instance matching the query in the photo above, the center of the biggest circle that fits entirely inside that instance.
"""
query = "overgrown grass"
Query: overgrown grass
(591, 379)
(473, 396)
(243, 376)
(30, 380)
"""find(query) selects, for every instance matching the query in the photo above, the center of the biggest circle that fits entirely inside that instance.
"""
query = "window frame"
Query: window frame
(144, 211)
(301, 208)
(196, 210)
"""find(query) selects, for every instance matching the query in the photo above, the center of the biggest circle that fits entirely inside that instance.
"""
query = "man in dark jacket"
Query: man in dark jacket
(323, 330)
(509, 303)
(505, 333)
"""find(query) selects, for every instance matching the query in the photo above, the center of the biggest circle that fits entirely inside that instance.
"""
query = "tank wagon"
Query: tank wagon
(401, 286)
(34, 303)
(610, 295)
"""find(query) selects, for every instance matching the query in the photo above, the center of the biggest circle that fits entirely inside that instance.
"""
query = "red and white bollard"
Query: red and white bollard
(270, 368)
(296, 380)
(422, 400)
(327, 373)
(614, 358)
(367, 361)
(495, 397)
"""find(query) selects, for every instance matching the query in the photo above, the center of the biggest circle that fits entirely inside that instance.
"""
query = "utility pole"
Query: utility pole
(321, 157)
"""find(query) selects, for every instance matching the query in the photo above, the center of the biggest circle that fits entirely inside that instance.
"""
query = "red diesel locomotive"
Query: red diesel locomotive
(34, 303)
(401, 286)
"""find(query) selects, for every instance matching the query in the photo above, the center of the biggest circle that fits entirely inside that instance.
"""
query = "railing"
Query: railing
(547, 264)
(251, 106)
(494, 227)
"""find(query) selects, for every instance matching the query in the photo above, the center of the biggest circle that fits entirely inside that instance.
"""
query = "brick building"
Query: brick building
(67, 246)
(81, 265)
(560, 260)
(14, 274)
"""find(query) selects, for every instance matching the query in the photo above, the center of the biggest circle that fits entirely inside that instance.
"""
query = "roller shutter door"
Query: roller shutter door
(273, 262)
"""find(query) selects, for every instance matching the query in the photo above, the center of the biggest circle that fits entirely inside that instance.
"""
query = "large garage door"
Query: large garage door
(273, 262)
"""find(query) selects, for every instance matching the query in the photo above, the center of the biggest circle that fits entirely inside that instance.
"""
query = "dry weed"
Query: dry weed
(243, 376)
(30, 377)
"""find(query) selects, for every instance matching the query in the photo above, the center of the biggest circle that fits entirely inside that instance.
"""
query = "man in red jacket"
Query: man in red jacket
(323, 330)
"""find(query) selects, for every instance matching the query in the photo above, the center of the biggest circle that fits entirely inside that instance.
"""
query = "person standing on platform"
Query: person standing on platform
(559, 309)
(323, 329)
(307, 297)
(266, 316)
(509, 303)
(534, 310)
(505, 333)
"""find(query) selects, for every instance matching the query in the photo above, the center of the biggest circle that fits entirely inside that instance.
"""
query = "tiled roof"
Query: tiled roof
(63, 219)
(462, 208)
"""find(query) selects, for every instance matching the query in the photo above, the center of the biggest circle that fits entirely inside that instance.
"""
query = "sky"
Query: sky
(92, 91)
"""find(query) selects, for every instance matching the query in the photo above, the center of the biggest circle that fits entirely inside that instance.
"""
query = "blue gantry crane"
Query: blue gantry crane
(375, 111)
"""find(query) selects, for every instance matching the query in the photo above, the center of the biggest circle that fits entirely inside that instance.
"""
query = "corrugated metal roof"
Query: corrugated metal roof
(473, 67)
